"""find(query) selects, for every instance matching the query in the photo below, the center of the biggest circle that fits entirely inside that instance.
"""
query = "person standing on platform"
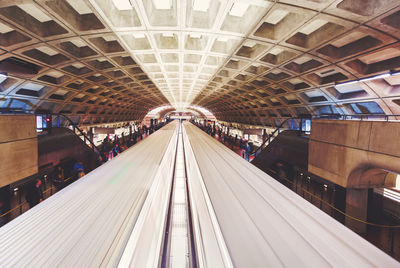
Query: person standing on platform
(34, 194)
(58, 177)
(78, 169)
(247, 151)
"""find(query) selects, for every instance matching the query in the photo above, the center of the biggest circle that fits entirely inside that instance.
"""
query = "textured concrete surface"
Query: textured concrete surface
(355, 154)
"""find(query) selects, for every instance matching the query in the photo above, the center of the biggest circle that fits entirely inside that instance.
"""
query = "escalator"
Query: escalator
(62, 145)
(286, 152)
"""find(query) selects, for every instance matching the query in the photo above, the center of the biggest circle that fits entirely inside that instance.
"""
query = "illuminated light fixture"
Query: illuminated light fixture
(238, 9)
(347, 83)
(122, 4)
(375, 77)
(2, 77)
(162, 4)
(394, 195)
(379, 76)
(394, 74)
(201, 5)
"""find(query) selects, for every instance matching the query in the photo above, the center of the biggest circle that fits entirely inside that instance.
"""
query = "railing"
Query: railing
(75, 127)
(361, 117)
(268, 139)
(48, 191)
(384, 117)
(57, 115)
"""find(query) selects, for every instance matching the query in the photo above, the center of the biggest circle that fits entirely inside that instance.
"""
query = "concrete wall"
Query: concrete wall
(18, 148)
(355, 154)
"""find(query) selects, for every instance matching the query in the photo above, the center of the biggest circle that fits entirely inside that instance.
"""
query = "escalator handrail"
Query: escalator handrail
(94, 147)
(17, 111)
(268, 138)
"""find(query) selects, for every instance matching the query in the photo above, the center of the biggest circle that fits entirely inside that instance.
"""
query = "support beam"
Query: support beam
(356, 206)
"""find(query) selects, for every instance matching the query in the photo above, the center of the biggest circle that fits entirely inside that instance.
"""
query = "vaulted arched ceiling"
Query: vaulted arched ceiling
(250, 61)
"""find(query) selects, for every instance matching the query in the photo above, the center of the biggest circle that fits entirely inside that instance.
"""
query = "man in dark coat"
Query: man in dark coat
(34, 194)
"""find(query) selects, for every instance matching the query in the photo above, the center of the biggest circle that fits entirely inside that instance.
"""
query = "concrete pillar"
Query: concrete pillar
(356, 206)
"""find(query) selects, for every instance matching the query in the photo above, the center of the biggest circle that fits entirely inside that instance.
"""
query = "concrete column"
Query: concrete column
(356, 206)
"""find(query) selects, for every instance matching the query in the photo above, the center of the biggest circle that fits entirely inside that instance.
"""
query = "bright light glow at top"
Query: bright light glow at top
(162, 4)
(238, 9)
(159, 109)
(201, 5)
(122, 4)
(179, 106)
(204, 111)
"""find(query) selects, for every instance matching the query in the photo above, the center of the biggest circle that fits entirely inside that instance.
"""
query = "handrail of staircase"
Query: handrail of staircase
(268, 138)
(25, 111)
(72, 123)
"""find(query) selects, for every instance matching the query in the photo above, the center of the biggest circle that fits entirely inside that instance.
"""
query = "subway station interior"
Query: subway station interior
(199, 133)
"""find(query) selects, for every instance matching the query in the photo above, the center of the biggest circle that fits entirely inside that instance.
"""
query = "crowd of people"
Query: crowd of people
(245, 146)
(111, 147)
(34, 191)
(108, 150)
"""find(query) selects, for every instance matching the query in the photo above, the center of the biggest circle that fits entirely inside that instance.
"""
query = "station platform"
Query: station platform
(180, 198)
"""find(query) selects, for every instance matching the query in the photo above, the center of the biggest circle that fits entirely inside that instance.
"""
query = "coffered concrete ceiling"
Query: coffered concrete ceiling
(249, 61)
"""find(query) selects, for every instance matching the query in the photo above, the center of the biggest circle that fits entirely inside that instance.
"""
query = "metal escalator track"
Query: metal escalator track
(178, 246)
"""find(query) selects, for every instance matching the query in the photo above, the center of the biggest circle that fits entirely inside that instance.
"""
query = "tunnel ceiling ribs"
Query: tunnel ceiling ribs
(253, 62)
